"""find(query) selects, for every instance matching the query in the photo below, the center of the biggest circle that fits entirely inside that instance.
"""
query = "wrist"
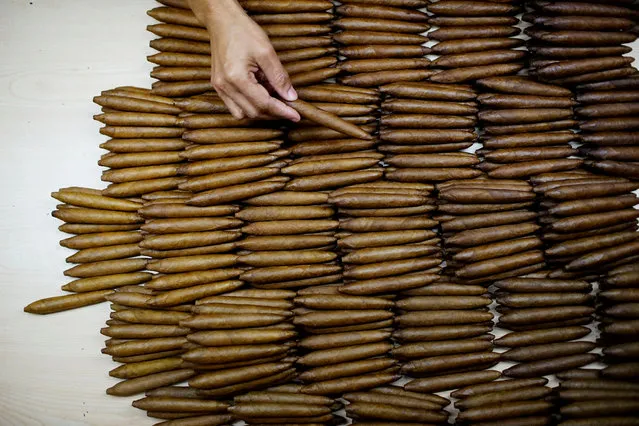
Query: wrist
(222, 13)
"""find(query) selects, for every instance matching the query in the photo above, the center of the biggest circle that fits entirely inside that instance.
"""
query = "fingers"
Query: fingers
(275, 74)
(245, 97)
(261, 103)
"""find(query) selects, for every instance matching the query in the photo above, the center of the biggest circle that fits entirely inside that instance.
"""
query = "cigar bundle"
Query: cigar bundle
(619, 320)
(475, 40)
(591, 398)
(526, 128)
(346, 343)
(443, 330)
(578, 42)
(393, 404)
(516, 401)
(106, 232)
(589, 222)
(382, 42)
(424, 126)
(489, 230)
(289, 241)
(608, 130)
(144, 150)
(286, 404)
(546, 318)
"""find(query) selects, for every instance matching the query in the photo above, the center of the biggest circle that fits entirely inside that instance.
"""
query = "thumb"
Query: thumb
(277, 76)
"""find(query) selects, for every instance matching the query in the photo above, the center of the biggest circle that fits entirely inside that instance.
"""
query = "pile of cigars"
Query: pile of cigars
(435, 230)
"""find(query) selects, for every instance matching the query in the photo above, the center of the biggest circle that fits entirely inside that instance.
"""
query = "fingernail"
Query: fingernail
(291, 94)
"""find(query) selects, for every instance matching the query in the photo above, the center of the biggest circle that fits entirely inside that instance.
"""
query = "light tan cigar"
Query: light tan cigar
(341, 385)
(97, 254)
(287, 227)
(189, 239)
(300, 283)
(173, 209)
(382, 224)
(129, 189)
(228, 321)
(224, 179)
(101, 239)
(145, 368)
(193, 224)
(228, 377)
(218, 165)
(192, 263)
(230, 354)
(185, 295)
(84, 215)
(147, 316)
(136, 94)
(123, 103)
(251, 301)
(230, 135)
(347, 369)
(107, 282)
(228, 308)
(342, 302)
(235, 192)
(182, 88)
(281, 258)
(135, 132)
(143, 145)
(341, 318)
(166, 404)
(108, 267)
(309, 65)
(139, 159)
(310, 168)
(241, 337)
(348, 353)
(283, 213)
(133, 174)
(372, 255)
(62, 303)
(289, 198)
(332, 180)
(236, 149)
(152, 381)
(378, 78)
(373, 65)
(143, 331)
(288, 242)
(313, 77)
(174, 59)
(288, 273)
(145, 346)
(187, 279)
(174, 15)
(137, 119)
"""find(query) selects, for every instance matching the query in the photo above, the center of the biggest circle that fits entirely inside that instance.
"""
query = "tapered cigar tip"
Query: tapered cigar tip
(30, 309)
(66, 287)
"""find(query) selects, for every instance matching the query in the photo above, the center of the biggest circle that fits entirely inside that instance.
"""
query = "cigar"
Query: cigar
(538, 337)
(280, 7)
(478, 58)
(378, 78)
(328, 119)
(355, 38)
(178, 45)
(381, 12)
(473, 32)
(451, 381)
(524, 86)
(473, 73)
(380, 25)
(586, 9)
(471, 8)
(564, 69)
(506, 410)
(452, 47)
(383, 51)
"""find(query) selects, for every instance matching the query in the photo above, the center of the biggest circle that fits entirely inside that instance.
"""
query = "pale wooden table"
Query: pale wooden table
(55, 55)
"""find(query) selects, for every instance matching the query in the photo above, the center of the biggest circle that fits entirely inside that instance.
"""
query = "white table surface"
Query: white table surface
(55, 55)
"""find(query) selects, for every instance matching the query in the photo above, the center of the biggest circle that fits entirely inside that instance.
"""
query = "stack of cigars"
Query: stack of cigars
(440, 239)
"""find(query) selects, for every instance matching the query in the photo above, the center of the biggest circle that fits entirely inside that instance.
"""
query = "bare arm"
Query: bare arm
(244, 65)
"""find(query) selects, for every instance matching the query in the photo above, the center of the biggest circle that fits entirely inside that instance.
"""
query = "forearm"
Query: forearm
(214, 12)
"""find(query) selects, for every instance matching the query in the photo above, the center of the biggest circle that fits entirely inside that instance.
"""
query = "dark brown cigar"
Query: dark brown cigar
(450, 47)
(383, 51)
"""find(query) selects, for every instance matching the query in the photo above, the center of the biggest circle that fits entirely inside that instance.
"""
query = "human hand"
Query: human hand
(244, 65)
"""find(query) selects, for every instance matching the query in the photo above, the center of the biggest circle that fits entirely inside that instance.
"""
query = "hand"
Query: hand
(244, 65)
